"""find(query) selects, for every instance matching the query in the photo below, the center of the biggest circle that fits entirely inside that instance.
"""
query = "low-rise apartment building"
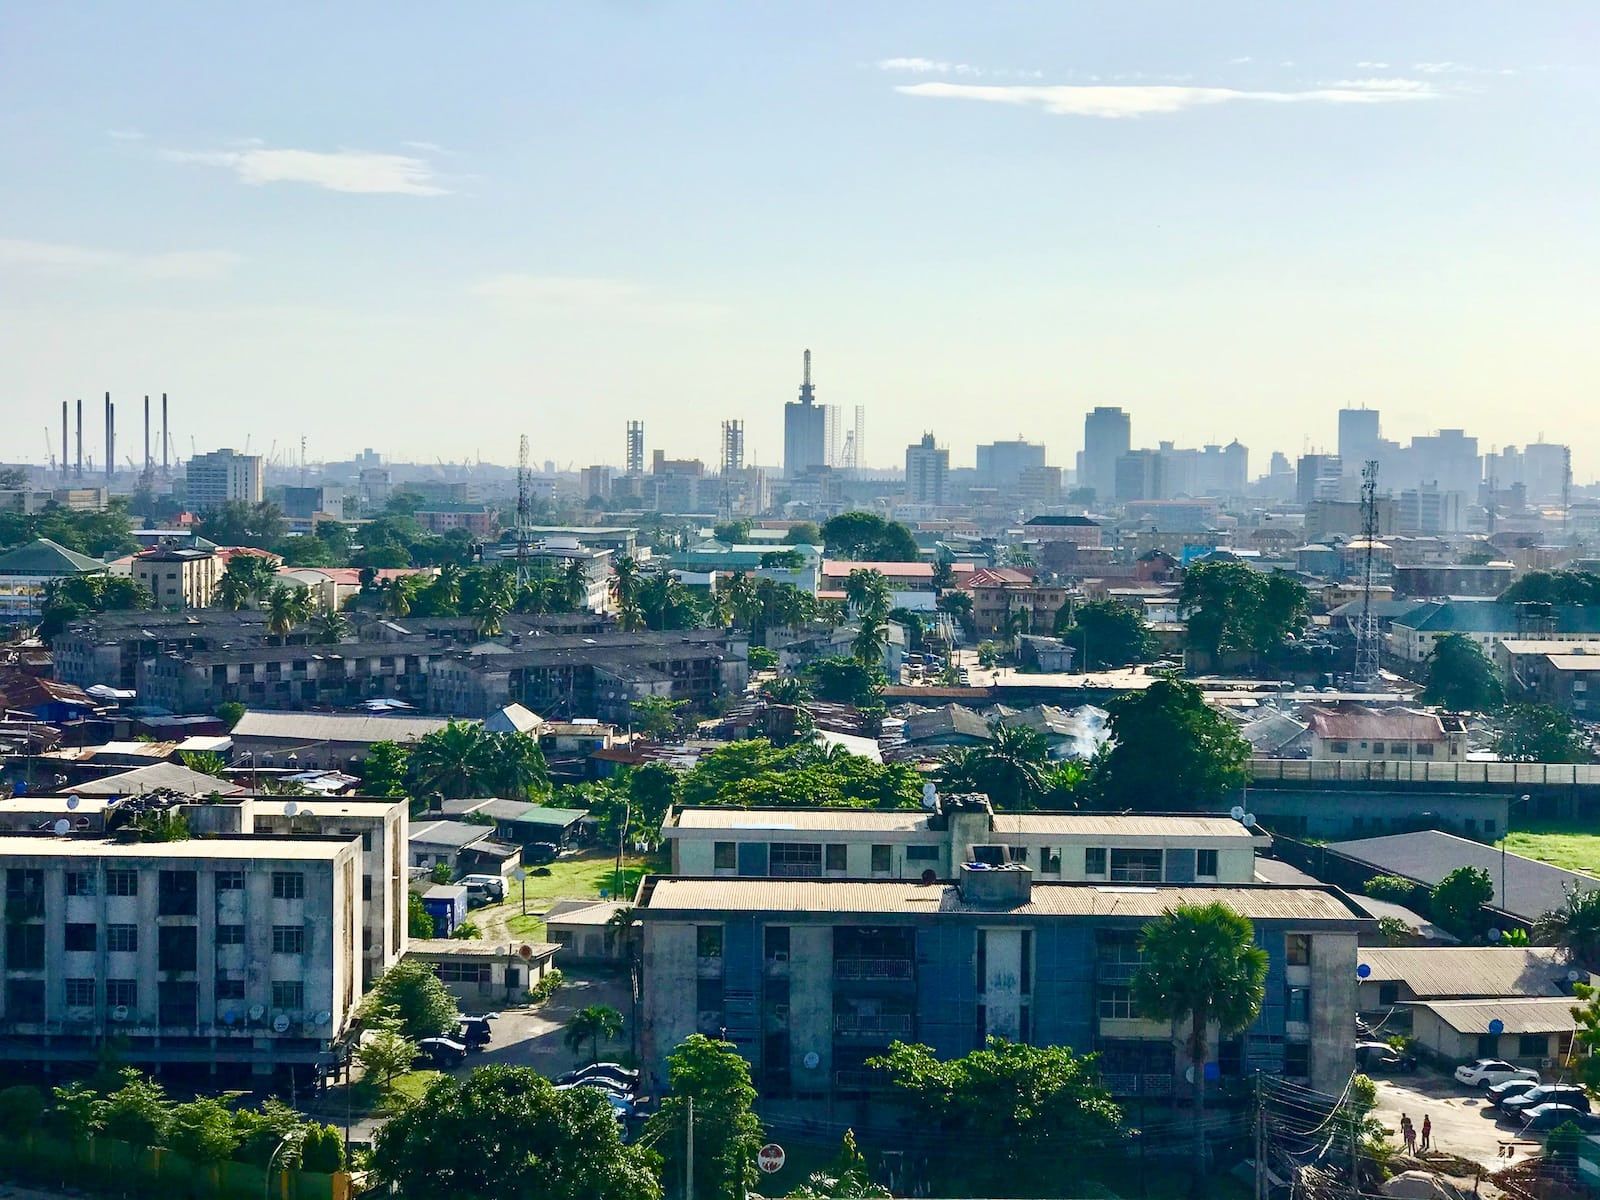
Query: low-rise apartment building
(856, 844)
(997, 592)
(809, 978)
(1363, 733)
(241, 953)
(1563, 674)
(288, 676)
(178, 577)
(1488, 622)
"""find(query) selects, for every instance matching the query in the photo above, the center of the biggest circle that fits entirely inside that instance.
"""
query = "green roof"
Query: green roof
(46, 558)
(540, 815)
(1494, 616)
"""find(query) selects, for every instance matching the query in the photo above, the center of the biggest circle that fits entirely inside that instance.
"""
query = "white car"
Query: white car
(1487, 1072)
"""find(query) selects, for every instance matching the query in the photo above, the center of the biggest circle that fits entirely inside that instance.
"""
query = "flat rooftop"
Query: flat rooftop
(274, 849)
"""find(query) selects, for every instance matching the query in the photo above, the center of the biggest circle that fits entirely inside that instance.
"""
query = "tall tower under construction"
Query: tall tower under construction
(805, 429)
(635, 458)
(732, 447)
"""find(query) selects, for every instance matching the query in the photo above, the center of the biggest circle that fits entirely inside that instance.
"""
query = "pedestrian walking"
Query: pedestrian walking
(1408, 1134)
(1427, 1132)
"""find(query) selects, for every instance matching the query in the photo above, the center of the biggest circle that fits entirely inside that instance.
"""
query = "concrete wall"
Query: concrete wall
(1333, 1001)
(1338, 813)
(810, 1006)
(669, 1013)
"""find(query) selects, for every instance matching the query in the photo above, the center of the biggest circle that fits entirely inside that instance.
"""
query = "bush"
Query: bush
(1393, 888)
(547, 986)
(323, 1151)
(20, 1110)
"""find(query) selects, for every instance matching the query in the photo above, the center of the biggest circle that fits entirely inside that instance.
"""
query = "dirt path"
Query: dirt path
(1464, 1122)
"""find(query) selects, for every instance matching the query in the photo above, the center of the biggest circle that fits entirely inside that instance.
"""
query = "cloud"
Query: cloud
(358, 171)
(65, 258)
(1243, 58)
(125, 135)
(1455, 68)
(1109, 101)
(1373, 66)
(926, 66)
(591, 297)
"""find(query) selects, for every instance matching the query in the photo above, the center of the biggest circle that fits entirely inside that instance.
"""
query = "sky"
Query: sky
(428, 229)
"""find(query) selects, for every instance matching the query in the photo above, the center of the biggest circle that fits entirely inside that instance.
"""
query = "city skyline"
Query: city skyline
(1220, 222)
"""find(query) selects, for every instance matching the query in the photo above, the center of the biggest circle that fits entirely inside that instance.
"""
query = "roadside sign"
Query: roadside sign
(770, 1158)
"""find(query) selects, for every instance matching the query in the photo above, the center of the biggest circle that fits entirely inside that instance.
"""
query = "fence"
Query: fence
(112, 1168)
(1502, 774)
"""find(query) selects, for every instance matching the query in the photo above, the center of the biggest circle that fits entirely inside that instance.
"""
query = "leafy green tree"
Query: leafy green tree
(737, 532)
(1457, 901)
(1574, 926)
(205, 762)
(385, 769)
(1586, 1037)
(241, 523)
(1011, 768)
(1232, 607)
(21, 1108)
(726, 1131)
(385, 1054)
(507, 1132)
(229, 712)
(846, 1178)
(592, 1025)
(1396, 889)
(803, 533)
(786, 689)
(846, 680)
(1169, 747)
(323, 1150)
(137, 1112)
(331, 627)
(754, 773)
(203, 1131)
(1554, 587)
(1037, 1112)
(76, 1112)
(287, 607)
(657, 716)
(1106, 634)
(419, 922)
(1538, 733)
(958, 605)
(452, 762)
(1199, 963)
(1460, 678)
(71, 599)
(410, 994)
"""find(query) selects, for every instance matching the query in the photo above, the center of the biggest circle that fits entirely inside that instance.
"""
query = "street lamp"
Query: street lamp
(1522, 799)
(293, 1137)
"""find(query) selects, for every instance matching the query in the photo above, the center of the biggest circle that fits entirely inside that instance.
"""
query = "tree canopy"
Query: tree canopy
(1457, 901)
(1574, 926)
(845, 680)
(1012, 768)
(1460, 678)
(754, 773)
(1554, 587)
(1538, 733)
(726, 1131)
(1169, 749)
(1106, 634)
(1232, 607)
(463, 759)
(103, 534)
(868, 537)
(507, 1132)
(75, 597)
(409, 998)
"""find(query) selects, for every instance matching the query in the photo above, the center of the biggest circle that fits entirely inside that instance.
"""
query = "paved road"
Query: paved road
(1464, 1122)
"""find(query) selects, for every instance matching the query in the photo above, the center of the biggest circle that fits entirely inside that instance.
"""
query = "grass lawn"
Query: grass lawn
(530, 927)
(367, 1099)
(582, 876)
(1560, 843)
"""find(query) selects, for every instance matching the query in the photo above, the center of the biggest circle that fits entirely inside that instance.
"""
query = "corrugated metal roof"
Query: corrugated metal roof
(1515, 1016)
(158, 775)
(1047, 899)
(1362, 723)
(336, 727)
(903, 821)
(1190, 829)
(1466, 972)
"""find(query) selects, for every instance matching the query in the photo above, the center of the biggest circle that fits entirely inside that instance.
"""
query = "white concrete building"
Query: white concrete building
(222, 475)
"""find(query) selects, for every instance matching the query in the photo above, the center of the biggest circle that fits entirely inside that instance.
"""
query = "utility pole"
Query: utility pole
(1261, 1144)
(688, 1152)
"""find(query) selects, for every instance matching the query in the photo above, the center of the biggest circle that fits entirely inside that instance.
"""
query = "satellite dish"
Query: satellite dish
(119, 1013)
(62, 826)
(257, 1011)
(280, 1023)
(811, 1060)
(525, 951)
(73, 802)
(290, 809)
(1574, 975)
(229, 1017)
(1497, 1026)
(1250, 819)
(1363, 971)
(1236, 813)
(930, 796)
(324, 1017)
(518, 875)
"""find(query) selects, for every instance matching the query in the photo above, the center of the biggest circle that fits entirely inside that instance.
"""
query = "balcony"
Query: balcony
(872, 1025)
(872, 968)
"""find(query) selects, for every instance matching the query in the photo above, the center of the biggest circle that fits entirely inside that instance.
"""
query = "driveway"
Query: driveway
(1464, 1122)
(532, 1037)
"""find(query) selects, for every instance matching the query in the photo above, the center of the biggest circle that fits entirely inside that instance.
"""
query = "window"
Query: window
(1135, 866)
(288, 939)
(922, 854)
(230, 881)
(1377, 747)
(1094, 861)
(836, 857)
(1299, 1009)
(122, 939)
(724, 856)
(1425, 749)
(122, 883)
(1341, 747)
(24, 893)
(230, 935)
(366, 887)
(80, 993)
(178, 1002)
(1297, 1060)
(1019, 854)
(1205, 864)
(25, 999)
(777, 943)
(176, 948)
(708, 941)
(1297, 949)
(1115, 1002)
(177, 894)
(882, 860)
(288, 994)
(468, 972)
(1389, 994)
(229, 989)
(795, 859)
(288, 885)
(80, 883)
(1050, 860)
(122, 993)
(1533, 1045)
(24, 947)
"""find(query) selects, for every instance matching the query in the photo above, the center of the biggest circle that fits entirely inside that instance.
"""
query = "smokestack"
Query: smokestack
(111, 438)
(65, 469)
(165, 470)
(80, 437)
(147, 435)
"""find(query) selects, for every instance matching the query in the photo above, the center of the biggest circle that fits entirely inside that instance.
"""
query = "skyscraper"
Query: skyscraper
(1359, 436)
(1107, 436)
(1001, 464)
(635, 458)
(805, 430)
(221, 476)
(927, 469)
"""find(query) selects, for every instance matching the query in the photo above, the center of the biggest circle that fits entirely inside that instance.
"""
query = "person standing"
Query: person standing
(1427, 1132)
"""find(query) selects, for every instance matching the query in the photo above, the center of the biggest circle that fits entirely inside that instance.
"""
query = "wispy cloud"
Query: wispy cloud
(1111, 101)
(1372, 66)
(592, 297)
(125, 135)
(359, 171)
(68, 259)
(926, 66)
(1455, 68)
(1243, 58)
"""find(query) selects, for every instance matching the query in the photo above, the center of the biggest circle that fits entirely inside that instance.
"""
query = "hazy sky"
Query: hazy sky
(428, 228)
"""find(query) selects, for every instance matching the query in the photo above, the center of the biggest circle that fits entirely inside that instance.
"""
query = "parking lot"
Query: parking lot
(1465, 1124)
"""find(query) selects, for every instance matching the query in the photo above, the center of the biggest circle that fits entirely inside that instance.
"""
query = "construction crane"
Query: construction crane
(1367, 646)
(524, 510)
(50, 449)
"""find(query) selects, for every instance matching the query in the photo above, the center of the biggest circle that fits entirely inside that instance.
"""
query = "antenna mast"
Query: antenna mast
(1367, 646)
(1566, 488)
(524, 510)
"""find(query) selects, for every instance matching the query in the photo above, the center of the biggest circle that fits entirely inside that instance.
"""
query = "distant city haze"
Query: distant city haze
(431, 232)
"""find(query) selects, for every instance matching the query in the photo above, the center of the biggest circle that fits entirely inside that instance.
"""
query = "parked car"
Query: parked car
(621, 1106)
(1489, 1071)
(613, 1074)
(1380, 1056)
(441, 1053)
(1549, 1116)
(475, 1032)
(539, 853)
(1508, 1089)
(1550, 1093)
(484, 889)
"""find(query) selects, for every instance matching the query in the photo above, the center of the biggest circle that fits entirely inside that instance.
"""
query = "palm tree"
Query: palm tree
(518, 769)
(491, 600)
(233, 591)
(1200, 962)
(531, 597)
(786, 689)
(944, 575)
(575, 585)
(288, 607)
(332, 627)
(624, 588)
(744, 603)
(873, 638)
(592, 1025)
(397, 596)
(452, 762)
(865, 589)
(445, 590)
(1575, 926)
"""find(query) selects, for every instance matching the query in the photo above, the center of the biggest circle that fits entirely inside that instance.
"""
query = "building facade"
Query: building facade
(927, 471)
(178, 578)
(214, 479)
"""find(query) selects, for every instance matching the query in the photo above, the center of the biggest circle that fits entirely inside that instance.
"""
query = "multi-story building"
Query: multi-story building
(1563, 674)
(805, 430)
(1140, 475)
(1386, 734)
(288, 676)
(1107, 436)
(1038, 487)
(479, 520)
(1429, 509)
(1488, 622)
(221, 476)
(178, 577)
(1002, 464)
(927, 471)
(240, 953)
(1318, 477)
(1360, 438)
(853, 844)
(1081, 531)
(809, 978)
(997, 592)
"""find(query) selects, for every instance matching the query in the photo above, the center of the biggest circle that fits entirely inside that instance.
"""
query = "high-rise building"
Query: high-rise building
(635, 459)
(1360, 438)
(1107, 436)
(221, 476)
(927, 470)
(594, 481)
(1001, 464)
(1139, 475)
(732, 447)
(805, 430)
(1317, 478)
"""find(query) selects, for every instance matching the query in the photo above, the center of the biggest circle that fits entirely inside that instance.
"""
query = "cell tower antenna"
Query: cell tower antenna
(1367, 646)
(807, 376)
(524, 510)
(1566, 488)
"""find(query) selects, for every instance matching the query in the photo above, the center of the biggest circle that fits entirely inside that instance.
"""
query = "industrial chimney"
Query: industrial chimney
(80, 438)
(65, 469)
(111, 439)
(165, 470)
